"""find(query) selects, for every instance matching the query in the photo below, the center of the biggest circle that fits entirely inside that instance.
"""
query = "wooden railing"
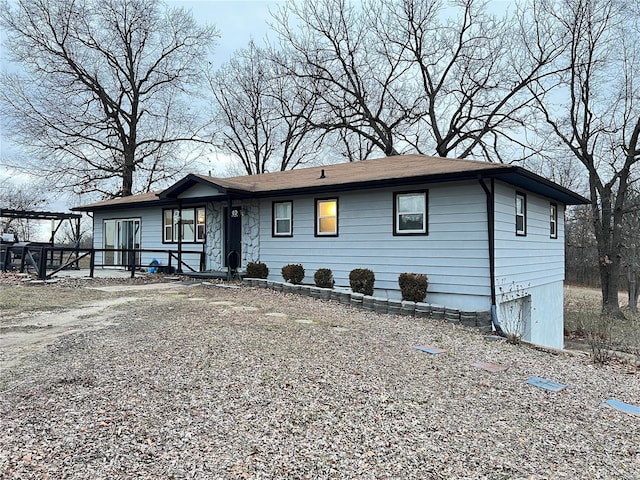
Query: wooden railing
(26, 258)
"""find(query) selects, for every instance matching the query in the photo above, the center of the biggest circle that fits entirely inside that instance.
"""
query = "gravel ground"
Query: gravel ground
(204, 382)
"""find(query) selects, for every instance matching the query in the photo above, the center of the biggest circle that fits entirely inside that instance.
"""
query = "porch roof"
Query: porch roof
(140, 200)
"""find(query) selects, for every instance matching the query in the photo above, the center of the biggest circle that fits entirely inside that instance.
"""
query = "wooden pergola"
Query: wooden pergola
(59, 217)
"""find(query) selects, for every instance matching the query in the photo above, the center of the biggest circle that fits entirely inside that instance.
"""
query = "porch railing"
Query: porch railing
(26, 258)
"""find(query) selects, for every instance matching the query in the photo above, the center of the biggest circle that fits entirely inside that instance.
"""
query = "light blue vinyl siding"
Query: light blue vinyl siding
(151, 235)
(454, 255)
(530, 267)
(200, 190)
(534, 259)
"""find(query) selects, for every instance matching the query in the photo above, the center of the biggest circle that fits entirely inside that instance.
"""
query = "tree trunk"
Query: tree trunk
(607, 238)
(609, 279)
(632, 277)
(127, 173)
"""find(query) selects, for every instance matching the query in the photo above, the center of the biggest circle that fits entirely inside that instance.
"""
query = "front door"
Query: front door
(233, 234)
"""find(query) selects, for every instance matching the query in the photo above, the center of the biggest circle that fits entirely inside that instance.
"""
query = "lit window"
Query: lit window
(521, 214)
(200, 224)
(410, 213)
(553, 228)
(282, 219)
(327, 217)
(190, 222)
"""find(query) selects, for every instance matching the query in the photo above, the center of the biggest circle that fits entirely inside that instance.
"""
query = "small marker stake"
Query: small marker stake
(546, 384)
(430, 349)
(623, 407)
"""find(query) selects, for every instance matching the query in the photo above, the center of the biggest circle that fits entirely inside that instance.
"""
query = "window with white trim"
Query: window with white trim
(327, 217)
(410, 213)
(201, 229)
(553, 220)
(521, 214)
(168, 225)
(282, 219)
(190, 220)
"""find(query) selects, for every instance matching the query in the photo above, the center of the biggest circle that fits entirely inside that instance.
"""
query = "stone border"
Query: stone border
(480, 320)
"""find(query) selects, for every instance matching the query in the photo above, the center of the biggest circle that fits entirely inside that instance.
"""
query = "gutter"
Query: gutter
(492, 257)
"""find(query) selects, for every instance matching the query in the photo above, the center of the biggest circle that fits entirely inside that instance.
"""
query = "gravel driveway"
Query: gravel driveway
(211, 383)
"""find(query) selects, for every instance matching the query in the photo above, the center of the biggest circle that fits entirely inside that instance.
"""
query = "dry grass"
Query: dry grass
(18, 298)
(584, 322)
(588, 297)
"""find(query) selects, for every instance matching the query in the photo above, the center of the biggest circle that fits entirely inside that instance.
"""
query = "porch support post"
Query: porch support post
(227, 234)
(42, 263)
(179, 268)
(77, 242)
(92, 261)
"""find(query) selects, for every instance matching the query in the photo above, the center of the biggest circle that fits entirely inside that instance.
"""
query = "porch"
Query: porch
(28, 258)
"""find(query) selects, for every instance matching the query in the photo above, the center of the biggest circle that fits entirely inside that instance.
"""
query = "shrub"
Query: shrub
(413, 286)
(361, 280)
(293, 273)
(324, 278)
(600, 339)
(257, 270)
(515, 305)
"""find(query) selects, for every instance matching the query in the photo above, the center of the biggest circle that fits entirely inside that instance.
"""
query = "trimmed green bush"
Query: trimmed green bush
(257, 270)
(362, 280)
(293, 273)
(413, 286)
(324, 278)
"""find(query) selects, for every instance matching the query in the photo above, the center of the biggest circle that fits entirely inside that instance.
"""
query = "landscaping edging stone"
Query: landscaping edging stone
(395, 307)
(380, 305)
(408, 308)
(356, 300)
(345, 298)
(367, 302)
(480, 320)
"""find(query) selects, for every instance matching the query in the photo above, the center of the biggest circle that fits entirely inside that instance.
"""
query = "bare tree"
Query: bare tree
(581, 252)
(350, 145)
(14, 196)
(101, 104)
(593, 111)
(631, 249)
(474, 69)
(419, 75)
(332, 52)
(261, 113)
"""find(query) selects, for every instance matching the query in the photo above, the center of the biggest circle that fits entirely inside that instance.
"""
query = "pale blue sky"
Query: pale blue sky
(238, 21)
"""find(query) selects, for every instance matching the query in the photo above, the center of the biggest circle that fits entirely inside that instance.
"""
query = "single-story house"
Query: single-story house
(487, 235)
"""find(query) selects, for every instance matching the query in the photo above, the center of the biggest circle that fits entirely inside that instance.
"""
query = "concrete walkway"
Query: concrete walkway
(98, 273)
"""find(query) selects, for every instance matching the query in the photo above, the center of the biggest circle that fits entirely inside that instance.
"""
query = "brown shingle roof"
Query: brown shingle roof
(149, 197)
(377, 170)
(388, 171)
